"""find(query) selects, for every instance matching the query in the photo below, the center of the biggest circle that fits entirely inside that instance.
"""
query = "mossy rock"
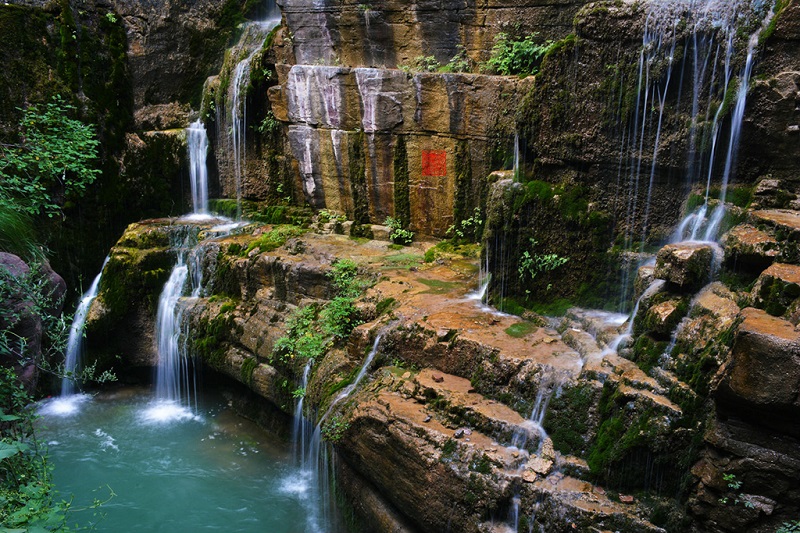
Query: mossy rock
(777, 289)
(145, 236)
(135, 278)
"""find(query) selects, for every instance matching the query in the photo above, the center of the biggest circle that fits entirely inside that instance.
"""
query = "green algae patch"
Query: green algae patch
(437, 286)
(402, 261)
(274, 239)
(521, 329)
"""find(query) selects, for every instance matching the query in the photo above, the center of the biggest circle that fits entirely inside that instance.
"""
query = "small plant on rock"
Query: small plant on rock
(516, 57)
(334, 428)
(399, 234)
(532, 263)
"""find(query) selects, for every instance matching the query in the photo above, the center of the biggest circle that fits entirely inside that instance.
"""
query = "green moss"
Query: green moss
(271, 240)
(402, 202)
(248, 367)
(568, 419)
(262, 212)
(648, 352)
(403, 260)
(438, 286)
(134, 277)
(521, 329)
(209, 342)
(358, 181)
(385, 305)
(780, 5)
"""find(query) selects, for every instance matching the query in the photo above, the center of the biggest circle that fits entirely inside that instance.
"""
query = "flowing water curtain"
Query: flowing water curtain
(717, 39)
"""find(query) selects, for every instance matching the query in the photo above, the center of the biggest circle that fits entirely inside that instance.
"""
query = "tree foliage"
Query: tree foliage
(53, 161)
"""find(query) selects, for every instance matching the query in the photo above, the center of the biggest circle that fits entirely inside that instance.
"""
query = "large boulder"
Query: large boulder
(761, 380)
(686, 266)
(777, 290)
(748, 247)
(26, 296)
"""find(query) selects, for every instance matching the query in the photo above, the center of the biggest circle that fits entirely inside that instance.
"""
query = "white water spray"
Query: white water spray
(197, 146)
(74, 354)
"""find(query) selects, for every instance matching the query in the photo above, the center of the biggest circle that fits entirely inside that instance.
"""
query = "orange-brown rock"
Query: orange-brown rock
(748, 247)
(686, 265)
(762, 377)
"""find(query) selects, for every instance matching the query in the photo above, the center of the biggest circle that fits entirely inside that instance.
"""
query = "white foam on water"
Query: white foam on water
(107, 441)
(63, 405)
(297, 483)
(165, 412)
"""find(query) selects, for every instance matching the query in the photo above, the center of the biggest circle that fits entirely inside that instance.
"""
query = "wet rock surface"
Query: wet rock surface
(685, 265)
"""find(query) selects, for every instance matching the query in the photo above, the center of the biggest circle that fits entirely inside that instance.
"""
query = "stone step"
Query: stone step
(787, 220)
(588, 507)
(458, 400)
(763, 373)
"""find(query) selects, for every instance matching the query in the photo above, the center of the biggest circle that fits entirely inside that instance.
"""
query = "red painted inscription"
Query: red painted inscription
(434, 163)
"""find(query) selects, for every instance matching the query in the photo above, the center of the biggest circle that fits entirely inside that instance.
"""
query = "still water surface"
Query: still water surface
(173, 470)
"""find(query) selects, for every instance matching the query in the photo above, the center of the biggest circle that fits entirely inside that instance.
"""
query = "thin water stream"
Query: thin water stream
(213, 471)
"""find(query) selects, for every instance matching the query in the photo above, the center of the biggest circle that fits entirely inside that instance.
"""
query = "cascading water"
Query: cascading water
(301, 426)
(197, 146)
(251, 42)
(175, 386)
(710, 33)
(316, 464)
(532, 427)
(74, 354)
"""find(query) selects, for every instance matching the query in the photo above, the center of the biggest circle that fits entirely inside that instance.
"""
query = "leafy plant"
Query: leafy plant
(27, 493)
(468, 228)
(339, 317)
(459, 62)
(269, 124)
(532, 263)
(421, 64)
(789, 527)
(734, 487)
(298, 393)
(303, 339)
(334, 428)
(399, 235)
(512, 57)
(53, 161)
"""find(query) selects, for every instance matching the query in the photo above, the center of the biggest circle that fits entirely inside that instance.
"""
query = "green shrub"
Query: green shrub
(53, 162)
(339, 317)
(399, 234)
(511, 57)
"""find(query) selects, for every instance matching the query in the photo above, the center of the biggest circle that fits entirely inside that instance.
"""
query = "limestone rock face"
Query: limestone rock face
(749, 247)
(172, 48)
(685, 265)
(388, 34)
(343, 118)
(763, 374)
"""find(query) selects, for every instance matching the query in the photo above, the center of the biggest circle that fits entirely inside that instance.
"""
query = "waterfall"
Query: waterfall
(709, 32)
(251, 41)
(547, 386)
(301, 425)
(74, 353)
(316, 464)
(197, 146)
(613, 346)
(171, 379)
